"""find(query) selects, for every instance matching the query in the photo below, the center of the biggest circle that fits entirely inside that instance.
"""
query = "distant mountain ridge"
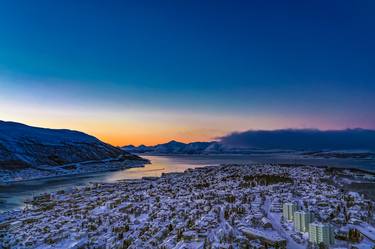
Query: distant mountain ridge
(343, 142)
(174, 147)
(23, 146)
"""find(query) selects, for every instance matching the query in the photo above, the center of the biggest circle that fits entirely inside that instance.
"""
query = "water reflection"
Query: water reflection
(161, 165)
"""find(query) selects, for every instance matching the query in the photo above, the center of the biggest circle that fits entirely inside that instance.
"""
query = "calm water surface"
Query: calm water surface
(13, 196)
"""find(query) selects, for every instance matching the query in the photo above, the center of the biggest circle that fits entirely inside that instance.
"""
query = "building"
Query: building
(321, 233)
(302, 221)
(270, 239)
(266, 223)
(288, 210)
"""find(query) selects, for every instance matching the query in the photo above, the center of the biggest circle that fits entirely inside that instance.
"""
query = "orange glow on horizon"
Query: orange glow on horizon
(147, 140)
(136, 127)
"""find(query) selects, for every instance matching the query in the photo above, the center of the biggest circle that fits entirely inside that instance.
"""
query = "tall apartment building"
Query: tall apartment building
(288, 210)
(302, 221)
(319, 232)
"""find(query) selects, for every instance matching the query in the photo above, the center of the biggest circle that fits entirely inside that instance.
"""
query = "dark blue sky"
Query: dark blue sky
(310, 61)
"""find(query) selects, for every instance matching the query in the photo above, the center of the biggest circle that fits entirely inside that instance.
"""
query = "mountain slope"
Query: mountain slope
(23, 146)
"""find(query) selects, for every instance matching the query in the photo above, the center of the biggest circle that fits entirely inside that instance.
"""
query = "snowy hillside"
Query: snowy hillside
(22, 146)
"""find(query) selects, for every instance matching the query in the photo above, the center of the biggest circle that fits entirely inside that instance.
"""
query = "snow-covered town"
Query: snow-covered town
(228, 206)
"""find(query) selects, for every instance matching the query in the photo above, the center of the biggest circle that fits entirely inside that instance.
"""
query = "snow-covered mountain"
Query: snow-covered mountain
(170, 147)
(137, 149)
(174, 147)
(22, 146)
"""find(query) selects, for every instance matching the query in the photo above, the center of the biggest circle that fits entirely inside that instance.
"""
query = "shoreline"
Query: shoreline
(253, 153)
(142, 163)
(330, 167)
(323, 165)
(134, 164)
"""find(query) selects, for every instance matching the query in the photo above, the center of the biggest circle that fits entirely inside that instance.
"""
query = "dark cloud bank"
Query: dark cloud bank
(303, 139)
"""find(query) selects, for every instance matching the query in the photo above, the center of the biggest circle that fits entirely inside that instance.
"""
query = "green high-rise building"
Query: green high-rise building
(302, 221)
(319, 233)
(288, 210)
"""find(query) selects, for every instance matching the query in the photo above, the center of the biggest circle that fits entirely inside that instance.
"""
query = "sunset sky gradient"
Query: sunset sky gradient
(146, 72)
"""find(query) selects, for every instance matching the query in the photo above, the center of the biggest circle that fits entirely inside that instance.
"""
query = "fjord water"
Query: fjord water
(12, 196)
